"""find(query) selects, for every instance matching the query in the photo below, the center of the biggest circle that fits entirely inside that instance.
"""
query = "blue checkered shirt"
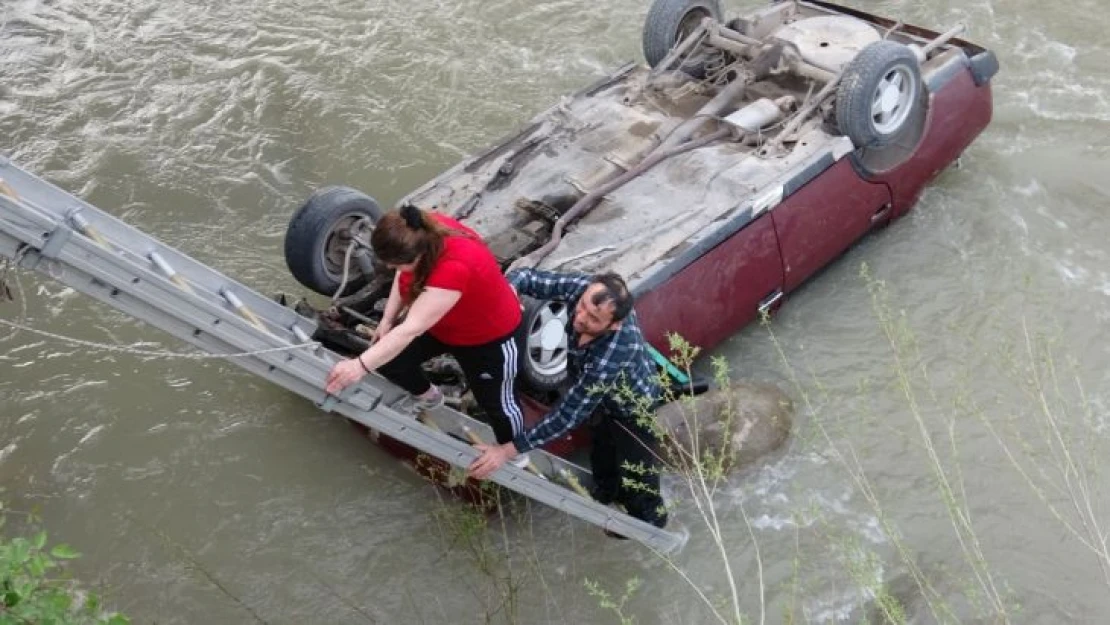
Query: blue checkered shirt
(613, 371)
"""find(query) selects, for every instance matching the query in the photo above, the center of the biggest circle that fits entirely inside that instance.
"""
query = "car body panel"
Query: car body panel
(824, 218)
(716, 294)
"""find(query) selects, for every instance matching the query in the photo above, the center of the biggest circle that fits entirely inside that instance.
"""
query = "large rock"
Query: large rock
(746, 421)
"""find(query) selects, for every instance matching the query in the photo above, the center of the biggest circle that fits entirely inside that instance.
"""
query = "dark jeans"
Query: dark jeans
(626, 469)
(490, 371)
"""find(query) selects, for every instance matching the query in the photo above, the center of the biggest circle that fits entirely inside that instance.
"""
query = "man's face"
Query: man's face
(592, 319)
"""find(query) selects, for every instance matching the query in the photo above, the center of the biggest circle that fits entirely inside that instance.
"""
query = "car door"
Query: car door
(821, 219)
(714, 292)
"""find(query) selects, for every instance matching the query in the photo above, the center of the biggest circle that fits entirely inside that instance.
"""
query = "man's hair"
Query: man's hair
(614, 291)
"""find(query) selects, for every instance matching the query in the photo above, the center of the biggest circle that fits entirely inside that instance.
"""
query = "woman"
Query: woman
(458, 303)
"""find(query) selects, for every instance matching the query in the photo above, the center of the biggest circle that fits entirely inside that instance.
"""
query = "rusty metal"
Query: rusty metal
(943, 38)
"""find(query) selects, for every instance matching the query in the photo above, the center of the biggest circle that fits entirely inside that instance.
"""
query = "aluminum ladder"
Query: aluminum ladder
(46, 229)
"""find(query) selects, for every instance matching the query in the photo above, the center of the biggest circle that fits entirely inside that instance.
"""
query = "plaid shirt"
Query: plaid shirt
(613, 371)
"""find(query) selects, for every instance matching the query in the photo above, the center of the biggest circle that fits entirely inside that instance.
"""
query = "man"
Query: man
(611, 371)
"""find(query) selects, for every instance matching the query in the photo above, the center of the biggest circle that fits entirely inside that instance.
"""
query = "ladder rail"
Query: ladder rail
(126, 278)
(39, 196)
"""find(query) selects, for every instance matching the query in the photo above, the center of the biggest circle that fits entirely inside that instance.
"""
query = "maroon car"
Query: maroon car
(746, 155)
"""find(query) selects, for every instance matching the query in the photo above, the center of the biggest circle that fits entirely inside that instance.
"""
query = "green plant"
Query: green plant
(615, 604)
(35, 589)
(704, 471)
(481, 532)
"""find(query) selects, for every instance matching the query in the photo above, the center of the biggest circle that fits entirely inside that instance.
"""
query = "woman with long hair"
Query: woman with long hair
(457, 301)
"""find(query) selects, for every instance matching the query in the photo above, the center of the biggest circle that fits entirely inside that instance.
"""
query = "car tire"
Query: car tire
(317, 238)
(542, 343)
(880, 95)
(670, 21)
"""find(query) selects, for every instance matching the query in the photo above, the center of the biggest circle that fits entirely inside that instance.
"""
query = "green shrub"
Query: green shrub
(34, 587)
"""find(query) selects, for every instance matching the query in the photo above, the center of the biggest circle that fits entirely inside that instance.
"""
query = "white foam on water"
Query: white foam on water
(90, 434)
(28, 346)
(1049, 78)
(1100, 415)
(1045, 212)
(766, 522)
(234, 425)
(773, 498)
(1020, 222)
(1036, 47)
(1070, 272)
(835, 609)
(85, 384)
(1033, 187)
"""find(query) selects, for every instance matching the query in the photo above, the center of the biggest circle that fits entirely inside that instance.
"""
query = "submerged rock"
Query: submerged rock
(746, 422)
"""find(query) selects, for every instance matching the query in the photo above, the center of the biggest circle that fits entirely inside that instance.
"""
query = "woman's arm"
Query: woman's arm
(392, 307)
(425, 312)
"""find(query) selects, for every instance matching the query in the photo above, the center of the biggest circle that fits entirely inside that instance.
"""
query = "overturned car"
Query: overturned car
(745, 155)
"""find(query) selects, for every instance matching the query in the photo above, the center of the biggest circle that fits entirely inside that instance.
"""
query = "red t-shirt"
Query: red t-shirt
(488, 308)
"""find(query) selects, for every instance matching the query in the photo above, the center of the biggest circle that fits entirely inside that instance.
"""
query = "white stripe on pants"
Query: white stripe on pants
(508, 401)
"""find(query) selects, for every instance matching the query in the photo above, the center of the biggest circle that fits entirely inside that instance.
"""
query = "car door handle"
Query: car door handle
(880, 214)
(769, 302)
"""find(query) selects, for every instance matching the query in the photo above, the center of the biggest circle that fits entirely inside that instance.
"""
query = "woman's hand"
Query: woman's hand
(493, 458)
(383, 329)
(344, 374)
(428, 309)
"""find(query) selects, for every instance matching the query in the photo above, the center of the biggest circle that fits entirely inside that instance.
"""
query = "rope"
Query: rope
(346, 273)
(347, 257)
(125, 349)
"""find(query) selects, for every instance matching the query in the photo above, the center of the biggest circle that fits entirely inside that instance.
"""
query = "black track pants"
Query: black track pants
(490, 371)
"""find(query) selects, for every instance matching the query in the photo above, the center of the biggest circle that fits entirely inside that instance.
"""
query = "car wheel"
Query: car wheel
(880, 94)
(320, 233)
(670, 21)
(542, 342)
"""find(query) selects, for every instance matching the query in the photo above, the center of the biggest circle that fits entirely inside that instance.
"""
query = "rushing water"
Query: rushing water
(199, 494)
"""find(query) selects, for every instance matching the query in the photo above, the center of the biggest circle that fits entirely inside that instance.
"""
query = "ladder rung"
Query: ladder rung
(170, 272)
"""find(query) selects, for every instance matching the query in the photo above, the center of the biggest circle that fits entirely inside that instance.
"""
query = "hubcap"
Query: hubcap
(547, 339)
(893, 98)
(339, 239)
